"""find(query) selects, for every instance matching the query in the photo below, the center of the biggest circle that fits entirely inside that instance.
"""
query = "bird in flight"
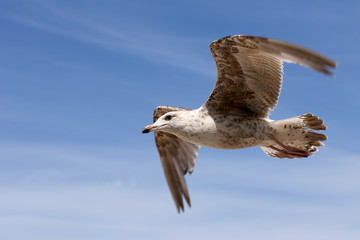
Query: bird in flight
(236, 114)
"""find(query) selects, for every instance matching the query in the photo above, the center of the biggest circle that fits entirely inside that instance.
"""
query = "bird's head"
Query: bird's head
(169, 122)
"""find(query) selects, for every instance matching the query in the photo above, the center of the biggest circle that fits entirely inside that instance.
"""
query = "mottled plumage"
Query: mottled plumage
(236, 113)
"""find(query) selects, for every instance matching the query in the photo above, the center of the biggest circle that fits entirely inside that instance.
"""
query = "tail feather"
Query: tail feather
(313, 122)
(296, 133)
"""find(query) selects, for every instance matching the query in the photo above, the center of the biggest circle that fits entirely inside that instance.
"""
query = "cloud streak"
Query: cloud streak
(122, 193)
(147, 44)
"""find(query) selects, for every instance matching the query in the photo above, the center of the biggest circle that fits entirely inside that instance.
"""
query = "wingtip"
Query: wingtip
(328, 69)
(327, 72)
(180, 209)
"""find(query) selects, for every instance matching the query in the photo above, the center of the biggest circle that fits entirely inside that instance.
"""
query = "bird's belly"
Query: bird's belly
(235, 138)
(231, 143)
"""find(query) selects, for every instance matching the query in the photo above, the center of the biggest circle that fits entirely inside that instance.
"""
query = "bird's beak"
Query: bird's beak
(148, 129)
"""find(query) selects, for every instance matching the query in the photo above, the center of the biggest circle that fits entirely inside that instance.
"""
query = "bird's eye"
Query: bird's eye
(168, 117)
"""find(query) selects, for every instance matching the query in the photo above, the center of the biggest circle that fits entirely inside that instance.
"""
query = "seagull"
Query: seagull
(236, 114)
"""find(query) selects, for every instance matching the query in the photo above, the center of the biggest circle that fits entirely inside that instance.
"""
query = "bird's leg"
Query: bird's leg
(286, 152)
(289, 150)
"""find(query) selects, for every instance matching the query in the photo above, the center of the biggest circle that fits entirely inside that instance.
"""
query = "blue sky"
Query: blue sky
(79, 79)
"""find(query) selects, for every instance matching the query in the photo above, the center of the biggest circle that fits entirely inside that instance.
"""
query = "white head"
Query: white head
(171, 122)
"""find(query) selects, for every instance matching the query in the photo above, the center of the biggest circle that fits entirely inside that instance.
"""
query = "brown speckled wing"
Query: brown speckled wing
(177, 158)
(250, 73)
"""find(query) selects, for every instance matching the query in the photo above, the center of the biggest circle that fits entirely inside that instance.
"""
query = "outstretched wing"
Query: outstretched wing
(249, 74)
(177, 158)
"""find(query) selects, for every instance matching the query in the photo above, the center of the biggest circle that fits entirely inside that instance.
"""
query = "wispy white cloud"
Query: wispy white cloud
(145, 43)
(125, 195)
(329, 171)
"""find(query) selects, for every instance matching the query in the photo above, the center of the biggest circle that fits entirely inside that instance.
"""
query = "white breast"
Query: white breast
(222, 132)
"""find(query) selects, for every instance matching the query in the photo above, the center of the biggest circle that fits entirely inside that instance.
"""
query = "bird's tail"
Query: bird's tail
(294, 137)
